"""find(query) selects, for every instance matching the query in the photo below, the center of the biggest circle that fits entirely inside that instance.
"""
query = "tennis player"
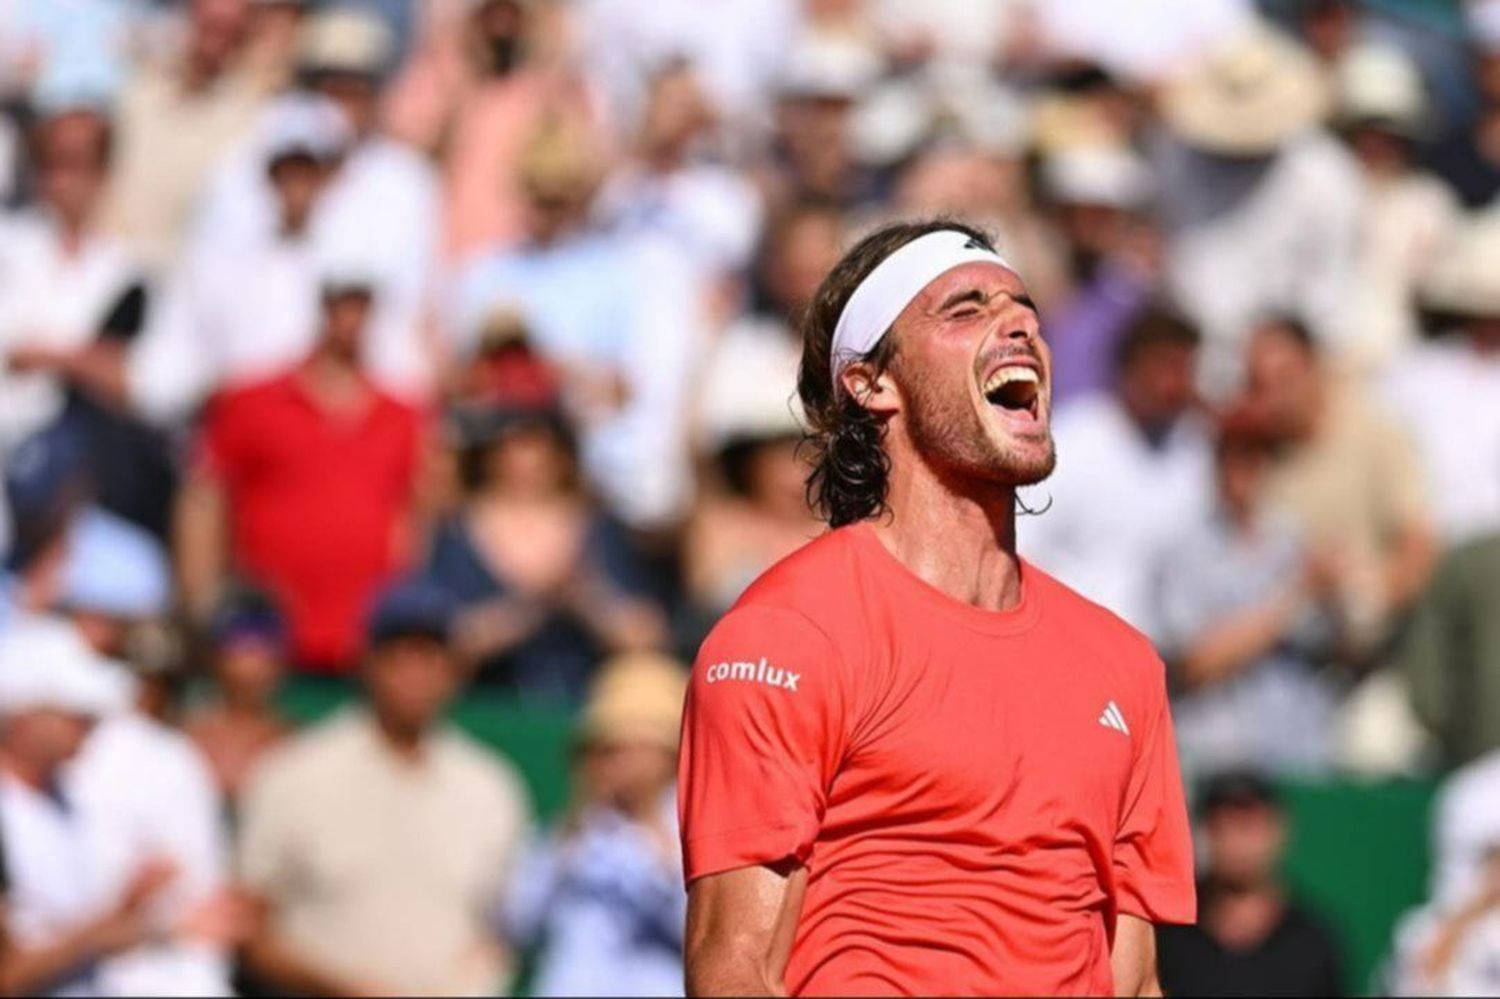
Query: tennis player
(913, 763)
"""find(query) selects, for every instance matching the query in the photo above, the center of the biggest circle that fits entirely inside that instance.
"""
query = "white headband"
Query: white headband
(886, 292)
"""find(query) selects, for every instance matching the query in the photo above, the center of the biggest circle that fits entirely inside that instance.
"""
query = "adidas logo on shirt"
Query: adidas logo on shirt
(761, 672)
(1111, 718)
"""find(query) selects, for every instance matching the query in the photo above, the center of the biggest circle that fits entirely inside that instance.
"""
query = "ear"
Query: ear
(877, 393)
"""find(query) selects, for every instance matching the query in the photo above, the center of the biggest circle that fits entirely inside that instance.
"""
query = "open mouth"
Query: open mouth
(1016, 389)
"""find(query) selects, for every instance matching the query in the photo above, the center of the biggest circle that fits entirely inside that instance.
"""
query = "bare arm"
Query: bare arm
(740, 926)
(277, 964)
(1235, 642)
(200, 541)
(34, 970)
(1133, 959)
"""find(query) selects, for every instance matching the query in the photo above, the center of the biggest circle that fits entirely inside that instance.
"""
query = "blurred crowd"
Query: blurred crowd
(447, 349)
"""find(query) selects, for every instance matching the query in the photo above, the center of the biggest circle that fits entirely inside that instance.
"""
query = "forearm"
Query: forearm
(99, 370)
(1133, 958)
(280, 966)
(199, 533)
(1234, 643)
(713, 971)
(35, 970)
(1409, 567)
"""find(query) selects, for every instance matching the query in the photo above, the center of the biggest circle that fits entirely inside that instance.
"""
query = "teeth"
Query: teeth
(1010, 373)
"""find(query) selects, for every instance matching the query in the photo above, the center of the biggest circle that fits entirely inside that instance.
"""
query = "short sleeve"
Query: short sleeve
(763, 731)
(1153, 852)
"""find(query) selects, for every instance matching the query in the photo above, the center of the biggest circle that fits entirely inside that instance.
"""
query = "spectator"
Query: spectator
(1467, 157)
(1251, 936)
(1450, 652)
(621, 319)
(241, 310)
(1446, 388)
(1245, 626)
(672, 189)
(479, 85)
(1141, 444)
(1407, 215)
(176, 117)
(379, 842)
(60, 273)
(1345, 475)
(546, 584)
(759, 352)
(381, 205)
(308, 483)
(234, 731)
(1449, 946)
(1264, 206)
(603, 894)
(57, 921)
(813, 155)
(1099, 197)
(759, 514)
(144, 793)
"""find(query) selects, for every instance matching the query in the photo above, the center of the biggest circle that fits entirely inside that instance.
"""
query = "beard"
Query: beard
(954, 439)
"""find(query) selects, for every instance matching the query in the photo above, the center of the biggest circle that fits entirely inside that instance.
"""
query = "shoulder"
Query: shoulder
(310, 756)
(481, 768)
(1095, 625)
(800, 615)
(813, 583)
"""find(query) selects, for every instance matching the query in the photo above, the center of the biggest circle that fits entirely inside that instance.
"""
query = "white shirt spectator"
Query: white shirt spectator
(1256, 236)
(1111, 551)
(53, 298)
(233, 314)
(1448, 395)
(710, 212)
(144, 792)
(379, 214)
(54, 885)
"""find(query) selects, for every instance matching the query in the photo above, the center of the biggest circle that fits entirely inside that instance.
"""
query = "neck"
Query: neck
(959, 537)
(403, 740)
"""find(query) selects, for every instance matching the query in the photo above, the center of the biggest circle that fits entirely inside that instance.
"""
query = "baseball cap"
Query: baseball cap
(412, 609)
(247, 613)
(46, 664)
(1237, 789)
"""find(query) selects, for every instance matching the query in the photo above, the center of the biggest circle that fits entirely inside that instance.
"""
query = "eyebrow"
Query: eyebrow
(976, 295)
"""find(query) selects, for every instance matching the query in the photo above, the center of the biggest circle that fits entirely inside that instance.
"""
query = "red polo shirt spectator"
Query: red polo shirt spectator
(318, 499)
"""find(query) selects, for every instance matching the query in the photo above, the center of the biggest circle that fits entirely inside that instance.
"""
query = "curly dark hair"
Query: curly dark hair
(850, 466)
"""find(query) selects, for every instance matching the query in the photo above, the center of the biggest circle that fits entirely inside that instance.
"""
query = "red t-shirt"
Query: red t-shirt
(975, 795)
(316, 503)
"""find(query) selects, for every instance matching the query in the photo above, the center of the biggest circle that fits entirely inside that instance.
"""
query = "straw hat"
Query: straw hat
(1247, 98)
(1464, 280)
(1380, 84)
(636, 697)
(346, 40)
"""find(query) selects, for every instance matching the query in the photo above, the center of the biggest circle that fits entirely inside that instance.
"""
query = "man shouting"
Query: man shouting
(912, 763)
